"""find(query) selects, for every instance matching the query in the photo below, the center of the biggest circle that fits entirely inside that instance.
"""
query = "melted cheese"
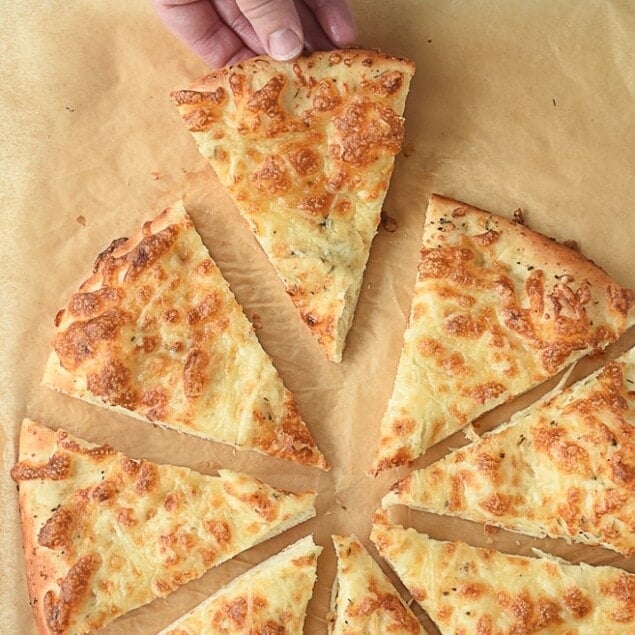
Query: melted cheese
(270, 598)
(564, 468)
(497, 309)
(156, 332)
(104, 533)
(364, 600)
(469, 591)
(306, 151)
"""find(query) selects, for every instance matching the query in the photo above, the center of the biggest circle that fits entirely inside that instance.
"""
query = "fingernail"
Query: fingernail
(284, 44)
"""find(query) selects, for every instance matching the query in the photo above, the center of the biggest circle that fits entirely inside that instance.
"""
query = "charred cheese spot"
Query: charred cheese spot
(620, 300)
(55, 533)
(366, 130)
(113, 384)
(272, 177)
(220, 530)
(377, 600)
(58, 468)
(127, 517)
(623, 590)
(58, 609)
(497, 504)
(90, 304)
(105, 491)
(147, 478)
(149, 250)
(482, 393)
(267, 99)
(465, 325)
(318, 204)
(577, 602)
(82, 339)
(439, 263)
(305, 161)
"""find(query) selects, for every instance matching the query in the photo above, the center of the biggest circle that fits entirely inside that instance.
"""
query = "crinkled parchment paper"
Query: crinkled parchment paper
(514, 104)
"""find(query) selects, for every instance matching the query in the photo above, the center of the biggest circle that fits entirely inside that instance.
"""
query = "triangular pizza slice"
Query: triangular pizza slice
(465, 589)
(156, 332)
(497, 309)
(104, 534)
(306, 150)
(564, 468)
(364, 600)
(270, 598)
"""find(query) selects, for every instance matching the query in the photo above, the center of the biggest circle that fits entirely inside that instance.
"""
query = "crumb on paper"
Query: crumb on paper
(553, 101)
(571, 244)
(408, 149)
(517, 542)
(388, 223)
(256, 320)
(81, 219)
(518, 216)
(429, 41)
(155, 176)
(69, 108)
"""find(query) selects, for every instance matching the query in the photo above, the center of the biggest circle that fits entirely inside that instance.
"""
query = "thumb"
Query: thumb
(277, 24)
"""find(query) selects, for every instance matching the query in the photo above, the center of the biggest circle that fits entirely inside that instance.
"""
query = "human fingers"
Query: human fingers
(336, 19)
(199, 27)
(234, 18)
(314, 37)
(277, 24)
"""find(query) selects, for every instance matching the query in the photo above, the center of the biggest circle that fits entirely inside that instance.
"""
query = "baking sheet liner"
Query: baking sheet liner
(513, 104)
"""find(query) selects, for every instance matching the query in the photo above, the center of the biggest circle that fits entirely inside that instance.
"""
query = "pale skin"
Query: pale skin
(222, 32)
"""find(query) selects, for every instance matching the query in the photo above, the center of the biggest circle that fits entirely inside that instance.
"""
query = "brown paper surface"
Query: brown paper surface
(514, 104)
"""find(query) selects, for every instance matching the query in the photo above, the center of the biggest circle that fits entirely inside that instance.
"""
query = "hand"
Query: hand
(222, 32)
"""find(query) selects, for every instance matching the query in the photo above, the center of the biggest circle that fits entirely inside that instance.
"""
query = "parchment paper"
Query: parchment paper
(514, 104)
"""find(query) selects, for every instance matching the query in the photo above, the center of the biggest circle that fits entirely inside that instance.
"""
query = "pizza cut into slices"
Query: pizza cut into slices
(104, 533)
(497, 309)
(155, 332)
(306, 150)
(270, 598)
(465, 589)
(564, 468)
(363, 599)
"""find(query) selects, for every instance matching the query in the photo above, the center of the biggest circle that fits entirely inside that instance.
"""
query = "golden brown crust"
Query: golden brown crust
(155, 331)
(306, 150)
(115, 533)
(497, 309)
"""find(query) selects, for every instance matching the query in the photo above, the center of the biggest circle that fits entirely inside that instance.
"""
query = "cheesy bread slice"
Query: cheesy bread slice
(469, 590)
(564, 468)
(272, 597)
(155, 332)
(306, 150)
(104, 533)
(497, 309)
(363, 599)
